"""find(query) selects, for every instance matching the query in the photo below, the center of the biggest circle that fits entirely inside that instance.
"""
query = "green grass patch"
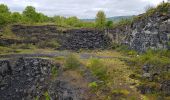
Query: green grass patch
(71, 62)
(98, 69)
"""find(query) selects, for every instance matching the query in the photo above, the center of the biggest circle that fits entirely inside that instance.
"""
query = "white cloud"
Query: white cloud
(82, 8)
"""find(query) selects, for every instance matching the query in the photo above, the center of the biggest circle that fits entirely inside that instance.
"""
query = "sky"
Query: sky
(83, 8)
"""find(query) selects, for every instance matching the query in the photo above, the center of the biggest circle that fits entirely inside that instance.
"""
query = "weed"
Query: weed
(98, 69)
(47, 96)
(48, 44)
(120, 92)
(92, 85)
(54, 71)
(71, 62)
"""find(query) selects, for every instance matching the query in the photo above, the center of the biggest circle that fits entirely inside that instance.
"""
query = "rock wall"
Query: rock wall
(25, 78)
(146, 32)
(69, 39)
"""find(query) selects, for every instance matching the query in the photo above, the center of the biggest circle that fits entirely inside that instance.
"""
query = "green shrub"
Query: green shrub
(47, 96)
(158, 58)
(98, 69)
(120, 92)
(72, 62)
(163, 7)
(93, 85)
(54, 71)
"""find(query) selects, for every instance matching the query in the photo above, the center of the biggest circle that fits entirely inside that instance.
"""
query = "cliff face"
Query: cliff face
(150, 32)
(70, 39)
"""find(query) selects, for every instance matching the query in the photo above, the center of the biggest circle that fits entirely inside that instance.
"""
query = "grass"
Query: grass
(159, 60)
(7, 33)
(54, 71)
(117, 73)
(71, 62)
(98, 69)
(48, 44)
(47, 96)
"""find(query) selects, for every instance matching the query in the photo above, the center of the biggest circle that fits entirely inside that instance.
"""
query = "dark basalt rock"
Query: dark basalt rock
(24, 78)
(30, 78)
(165, 87)
(74, 39)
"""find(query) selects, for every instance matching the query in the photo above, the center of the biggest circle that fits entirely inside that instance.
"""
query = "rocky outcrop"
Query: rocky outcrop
(148, 32)
(85, 39)
(30, 78)
(25, 78)
(74, 39)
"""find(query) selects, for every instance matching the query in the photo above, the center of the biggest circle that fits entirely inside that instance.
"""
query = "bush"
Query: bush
(47, 96)
(54, 71)
(98, 69)
(72, 62)
(93, 85)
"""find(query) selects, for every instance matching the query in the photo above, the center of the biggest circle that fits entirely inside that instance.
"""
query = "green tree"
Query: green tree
(109, 24)
(73, 21)
(100, 20)
(16, 17)
(30, 14)
(42, 18)
(4, 15)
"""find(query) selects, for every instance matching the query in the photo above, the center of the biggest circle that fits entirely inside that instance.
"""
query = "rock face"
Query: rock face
(85, 39)
(31, 78)
(70, 39)
(24, 78)
(149, 32)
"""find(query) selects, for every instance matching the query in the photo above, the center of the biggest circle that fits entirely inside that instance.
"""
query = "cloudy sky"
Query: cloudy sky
(83, 8)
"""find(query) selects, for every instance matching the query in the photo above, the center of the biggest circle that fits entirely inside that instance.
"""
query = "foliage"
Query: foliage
(100, 20)
(120, 92)
(54, 71)
(4, 15)
(16, 17)
(72, 62)
(92, 85)
(109, 24)
(31, 15)
(158, 58)
(123, 22)
(98, 69)
(47, 97)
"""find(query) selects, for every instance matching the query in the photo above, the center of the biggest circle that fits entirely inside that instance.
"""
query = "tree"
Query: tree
(4, 15)
(73, 21)
(16, 17)
(42, 18)
(100, 20)
(30, 14)
(109, 24)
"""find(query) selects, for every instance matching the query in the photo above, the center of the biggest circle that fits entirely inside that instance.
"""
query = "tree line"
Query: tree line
(31, 16)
